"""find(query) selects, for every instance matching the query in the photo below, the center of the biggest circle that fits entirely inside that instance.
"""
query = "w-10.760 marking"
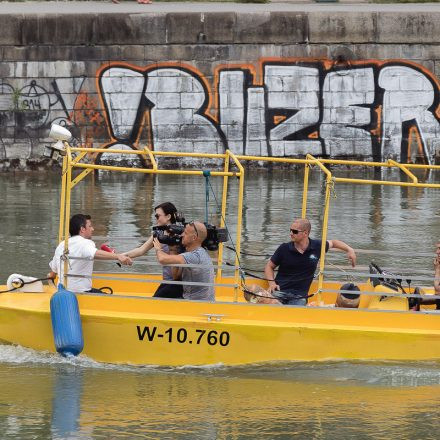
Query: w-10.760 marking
(182, 336)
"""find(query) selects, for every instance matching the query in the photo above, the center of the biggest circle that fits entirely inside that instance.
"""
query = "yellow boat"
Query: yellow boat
(131, 327)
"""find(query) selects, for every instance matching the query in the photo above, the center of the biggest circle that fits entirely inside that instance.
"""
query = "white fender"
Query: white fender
(16, 280)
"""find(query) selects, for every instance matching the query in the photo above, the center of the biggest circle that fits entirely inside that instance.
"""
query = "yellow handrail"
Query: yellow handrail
(70, 163)
(68, 159)
(62, 199)
(153, 153)
(239, 218)
(305, 190)
(223, 215)
(328, 188)
(386, 183)
(404, 169)
(151, 171)
(151, 156)
(68, 183)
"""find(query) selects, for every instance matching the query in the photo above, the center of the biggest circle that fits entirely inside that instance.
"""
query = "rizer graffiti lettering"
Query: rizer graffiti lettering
(275, 107)
(288, 109)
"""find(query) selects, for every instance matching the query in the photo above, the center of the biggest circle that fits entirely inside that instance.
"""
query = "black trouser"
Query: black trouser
(93, 290)
(169, 291)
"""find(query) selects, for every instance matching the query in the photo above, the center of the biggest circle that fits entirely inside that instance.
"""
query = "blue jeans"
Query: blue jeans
(296, 301)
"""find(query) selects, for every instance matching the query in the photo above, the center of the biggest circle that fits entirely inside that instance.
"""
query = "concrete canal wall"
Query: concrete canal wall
(272, 83)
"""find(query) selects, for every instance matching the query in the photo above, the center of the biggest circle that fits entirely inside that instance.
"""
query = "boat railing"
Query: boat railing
(68, 182)
(156, 263)
(74, 156)
(364, 275)
(331, 275)
(381, 294)
(141, 279)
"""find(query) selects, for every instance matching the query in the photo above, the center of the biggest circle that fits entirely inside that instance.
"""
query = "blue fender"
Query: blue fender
(66, 322)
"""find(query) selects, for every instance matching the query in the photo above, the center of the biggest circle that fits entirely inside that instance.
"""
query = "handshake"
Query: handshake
(122, 258)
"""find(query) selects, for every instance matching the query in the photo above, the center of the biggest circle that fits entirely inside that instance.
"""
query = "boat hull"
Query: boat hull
(128, 329)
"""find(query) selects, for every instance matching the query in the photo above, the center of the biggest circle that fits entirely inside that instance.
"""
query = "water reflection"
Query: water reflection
(52, 398)
(66, 411)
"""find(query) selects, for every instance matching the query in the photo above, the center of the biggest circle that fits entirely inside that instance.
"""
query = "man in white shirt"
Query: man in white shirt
(80, 245)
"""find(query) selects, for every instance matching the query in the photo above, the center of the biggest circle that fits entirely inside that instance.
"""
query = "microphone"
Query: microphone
(106, 248)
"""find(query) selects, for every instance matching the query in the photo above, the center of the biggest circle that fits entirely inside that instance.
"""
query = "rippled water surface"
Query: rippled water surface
(44, 396)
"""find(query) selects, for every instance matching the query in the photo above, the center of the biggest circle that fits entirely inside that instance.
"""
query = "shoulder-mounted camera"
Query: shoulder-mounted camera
(171, 234)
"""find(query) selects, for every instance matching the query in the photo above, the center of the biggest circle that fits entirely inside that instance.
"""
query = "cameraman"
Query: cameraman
(165, 214)
(193, 236)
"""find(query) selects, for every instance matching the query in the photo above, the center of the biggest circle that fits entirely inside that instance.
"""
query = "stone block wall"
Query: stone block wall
(354, 84)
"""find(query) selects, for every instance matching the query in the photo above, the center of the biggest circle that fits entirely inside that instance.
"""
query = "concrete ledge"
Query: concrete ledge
(408, 27)
(252, 27)
(276, 27)
(350, 27)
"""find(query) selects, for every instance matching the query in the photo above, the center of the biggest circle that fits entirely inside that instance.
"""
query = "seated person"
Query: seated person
(297, 262)
(192, 238)
(165, 214)
(348, 300)
(80, 245)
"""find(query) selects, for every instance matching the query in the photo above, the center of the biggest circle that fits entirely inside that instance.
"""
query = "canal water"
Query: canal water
(44, 396)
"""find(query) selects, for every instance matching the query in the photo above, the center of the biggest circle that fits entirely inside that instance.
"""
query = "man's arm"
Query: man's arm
(338, 244)
(176, 272)
(51, 275)
(269, 274)
(165, 258)
(104, 255)
(141, 250)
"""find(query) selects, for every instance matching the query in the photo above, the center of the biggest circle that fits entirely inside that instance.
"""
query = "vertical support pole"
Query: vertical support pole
(223, 214)
(240, 175)
(62, 199)
(239, 221)
(305, 191)
(67, 211)
(328, 187)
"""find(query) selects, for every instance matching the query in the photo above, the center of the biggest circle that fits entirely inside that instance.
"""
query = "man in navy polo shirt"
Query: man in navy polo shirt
(297, 262)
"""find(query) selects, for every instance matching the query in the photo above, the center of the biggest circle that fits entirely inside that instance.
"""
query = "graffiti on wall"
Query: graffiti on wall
(29, 107)
(279, 107)
(368, 109)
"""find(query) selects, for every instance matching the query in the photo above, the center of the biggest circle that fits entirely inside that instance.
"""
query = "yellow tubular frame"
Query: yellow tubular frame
(329, 182)
(239, 220)
(68, 184)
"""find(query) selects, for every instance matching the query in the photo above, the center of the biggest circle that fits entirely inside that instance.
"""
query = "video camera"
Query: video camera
(172, 237)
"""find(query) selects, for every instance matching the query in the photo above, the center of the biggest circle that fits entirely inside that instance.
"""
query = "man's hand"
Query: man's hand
(124, 259)
(157, 244)
(352, 256)
(273, 286)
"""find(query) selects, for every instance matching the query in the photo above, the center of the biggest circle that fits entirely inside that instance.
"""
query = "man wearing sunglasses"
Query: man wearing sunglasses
(200, 268)
(297, 262)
